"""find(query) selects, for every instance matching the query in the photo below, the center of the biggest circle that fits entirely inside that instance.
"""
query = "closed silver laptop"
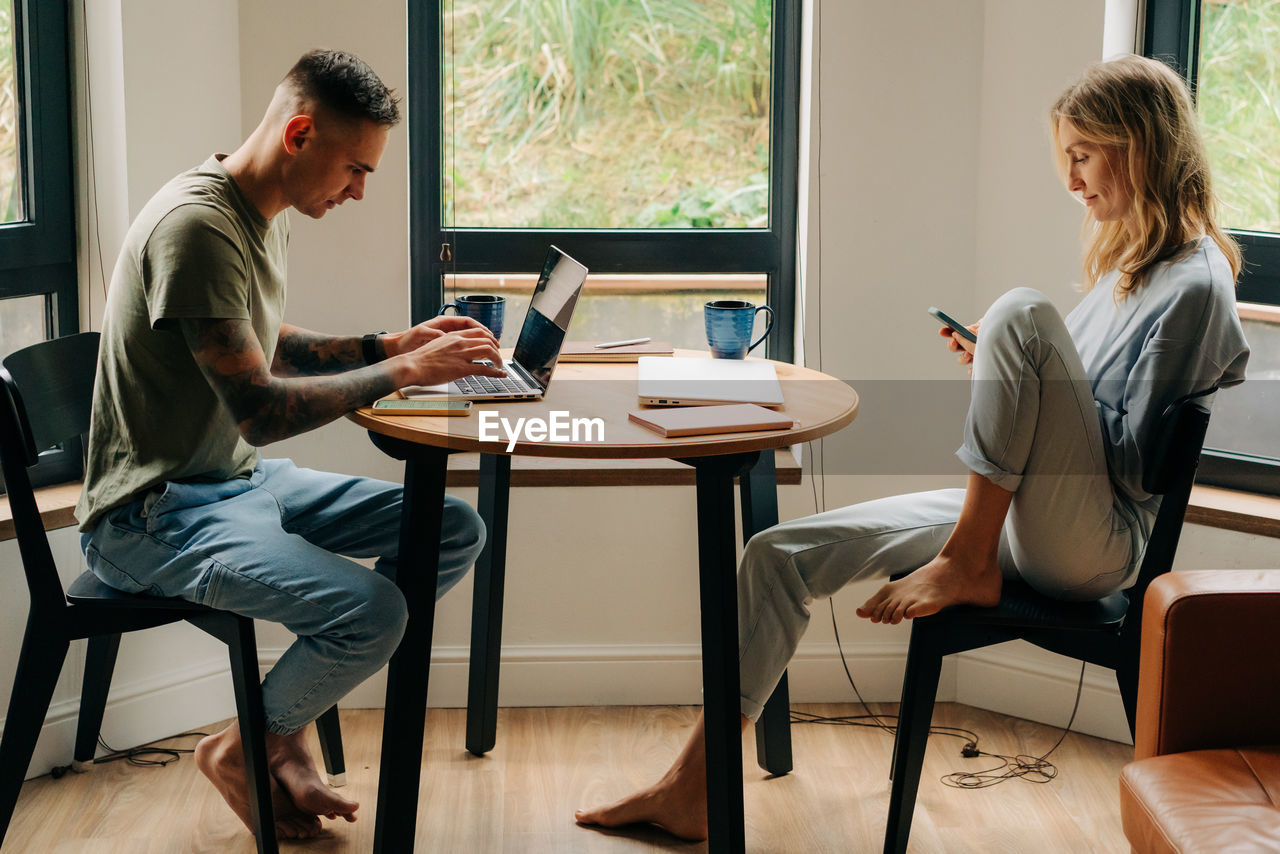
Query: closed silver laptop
(682, 381)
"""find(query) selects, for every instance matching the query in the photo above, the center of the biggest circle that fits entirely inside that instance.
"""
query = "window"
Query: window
(653, 140)
(37, 224)
(1229, 50)
(10, 152)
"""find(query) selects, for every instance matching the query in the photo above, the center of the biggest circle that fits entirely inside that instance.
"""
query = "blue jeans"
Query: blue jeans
(269, 547)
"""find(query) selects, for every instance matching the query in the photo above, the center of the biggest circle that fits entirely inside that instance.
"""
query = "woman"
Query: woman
(1061, 413)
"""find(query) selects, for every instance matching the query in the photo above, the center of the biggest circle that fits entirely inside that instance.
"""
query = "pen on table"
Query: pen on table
(625, 343)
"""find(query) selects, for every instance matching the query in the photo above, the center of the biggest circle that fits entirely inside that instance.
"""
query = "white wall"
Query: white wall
(182, 88)
(929, 182)
(1028, 225)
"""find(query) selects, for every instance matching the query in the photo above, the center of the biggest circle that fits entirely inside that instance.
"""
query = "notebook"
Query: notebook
(538, 347)
(585, 351)
(685, 381)
(705, 420)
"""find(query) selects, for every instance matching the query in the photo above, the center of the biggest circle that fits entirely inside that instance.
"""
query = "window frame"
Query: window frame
(38, 254)
(1171, 33)
(770, 251)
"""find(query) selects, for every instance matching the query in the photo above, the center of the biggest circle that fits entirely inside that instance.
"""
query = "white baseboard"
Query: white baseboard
(139, 712)
(639, 675)
(1021, 680)
(1013, 679)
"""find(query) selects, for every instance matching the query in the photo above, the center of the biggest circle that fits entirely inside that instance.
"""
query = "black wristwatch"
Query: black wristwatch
(370, 350)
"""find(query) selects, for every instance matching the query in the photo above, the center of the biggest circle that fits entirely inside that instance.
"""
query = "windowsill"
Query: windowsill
(612, 284)
(57, 508)
(1247, 512)
(1259, 312)
(1230, 510)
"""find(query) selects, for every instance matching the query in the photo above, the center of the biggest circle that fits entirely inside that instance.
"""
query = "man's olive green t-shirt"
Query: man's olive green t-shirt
(199, 249)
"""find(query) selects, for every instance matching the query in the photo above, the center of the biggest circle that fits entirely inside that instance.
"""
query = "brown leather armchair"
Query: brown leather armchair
(1206, 769)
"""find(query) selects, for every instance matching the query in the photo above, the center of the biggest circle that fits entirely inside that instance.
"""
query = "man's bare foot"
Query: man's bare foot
(291, 822)
(942, 582)
(220, 757)
(291, 764)
(672, 804)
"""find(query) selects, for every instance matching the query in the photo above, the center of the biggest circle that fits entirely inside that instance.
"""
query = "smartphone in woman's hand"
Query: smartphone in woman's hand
(956, 326)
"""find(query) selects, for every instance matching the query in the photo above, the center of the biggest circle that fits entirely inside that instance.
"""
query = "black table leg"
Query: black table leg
(759, 492)
(717, 572)
(406, 708)
(486, 605)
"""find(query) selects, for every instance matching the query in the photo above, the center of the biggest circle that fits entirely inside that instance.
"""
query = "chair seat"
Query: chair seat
(1203, 800)
(1022, 607)
(90, 591)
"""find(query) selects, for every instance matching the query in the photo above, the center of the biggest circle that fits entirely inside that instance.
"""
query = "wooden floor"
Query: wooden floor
(521, 797)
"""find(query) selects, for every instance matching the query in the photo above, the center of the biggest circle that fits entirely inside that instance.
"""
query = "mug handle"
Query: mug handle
(447, 306)
(767, 327)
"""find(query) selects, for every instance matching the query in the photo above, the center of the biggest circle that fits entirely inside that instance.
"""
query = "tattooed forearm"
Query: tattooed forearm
(267, 408)
(303, 353)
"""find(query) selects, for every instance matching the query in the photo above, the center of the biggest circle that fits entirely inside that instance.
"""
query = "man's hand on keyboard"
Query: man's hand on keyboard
(449, 356)
(414, 337)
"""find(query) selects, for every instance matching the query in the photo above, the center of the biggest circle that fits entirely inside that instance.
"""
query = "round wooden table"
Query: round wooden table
(818, 404)
(602, 394)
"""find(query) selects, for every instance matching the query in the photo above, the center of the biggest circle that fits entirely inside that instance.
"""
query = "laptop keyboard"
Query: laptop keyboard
(492, 385)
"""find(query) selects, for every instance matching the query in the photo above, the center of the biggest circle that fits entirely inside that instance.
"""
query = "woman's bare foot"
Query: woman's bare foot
(220, 757)
(942, 582)
(965, 572)
(675, 804)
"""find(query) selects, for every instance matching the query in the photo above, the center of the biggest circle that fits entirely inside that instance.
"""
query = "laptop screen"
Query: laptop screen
(550, 310)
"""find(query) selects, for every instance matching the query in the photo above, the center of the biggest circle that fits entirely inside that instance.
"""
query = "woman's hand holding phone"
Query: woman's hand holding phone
(958, 344)
(961, 339)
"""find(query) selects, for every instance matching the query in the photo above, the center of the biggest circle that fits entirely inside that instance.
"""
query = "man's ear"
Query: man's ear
(298, 131)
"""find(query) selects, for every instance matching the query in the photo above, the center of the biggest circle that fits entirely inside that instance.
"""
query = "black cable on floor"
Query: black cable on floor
(1032, 769)
(141, 756)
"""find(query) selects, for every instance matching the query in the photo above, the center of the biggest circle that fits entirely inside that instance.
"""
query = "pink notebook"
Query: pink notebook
(706, 420)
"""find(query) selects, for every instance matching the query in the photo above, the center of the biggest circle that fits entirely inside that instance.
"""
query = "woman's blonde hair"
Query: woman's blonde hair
(1140, 113)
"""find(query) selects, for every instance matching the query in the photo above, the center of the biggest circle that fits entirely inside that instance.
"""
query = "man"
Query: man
(197, 368)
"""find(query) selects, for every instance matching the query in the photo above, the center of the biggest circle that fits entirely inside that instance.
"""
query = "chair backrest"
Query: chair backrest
(46, 394)
(55, 382)
(1171, 472)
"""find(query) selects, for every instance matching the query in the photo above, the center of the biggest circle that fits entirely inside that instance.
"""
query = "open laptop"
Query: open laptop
(682, 381)
(538, 347)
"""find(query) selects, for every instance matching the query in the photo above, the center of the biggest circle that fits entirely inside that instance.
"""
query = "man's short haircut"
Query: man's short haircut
(344, 83)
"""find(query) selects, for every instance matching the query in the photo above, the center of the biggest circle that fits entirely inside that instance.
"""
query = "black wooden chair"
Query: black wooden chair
(45, 395)
(1105, 632)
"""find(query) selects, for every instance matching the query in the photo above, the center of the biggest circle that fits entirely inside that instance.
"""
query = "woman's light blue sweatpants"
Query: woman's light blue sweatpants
(1032, 429)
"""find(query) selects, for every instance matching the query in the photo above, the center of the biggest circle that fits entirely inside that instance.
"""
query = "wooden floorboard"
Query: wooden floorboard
(521, 797)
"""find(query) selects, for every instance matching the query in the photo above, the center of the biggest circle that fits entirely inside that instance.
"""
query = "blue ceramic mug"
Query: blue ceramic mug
(729, 323)
(485, 309)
